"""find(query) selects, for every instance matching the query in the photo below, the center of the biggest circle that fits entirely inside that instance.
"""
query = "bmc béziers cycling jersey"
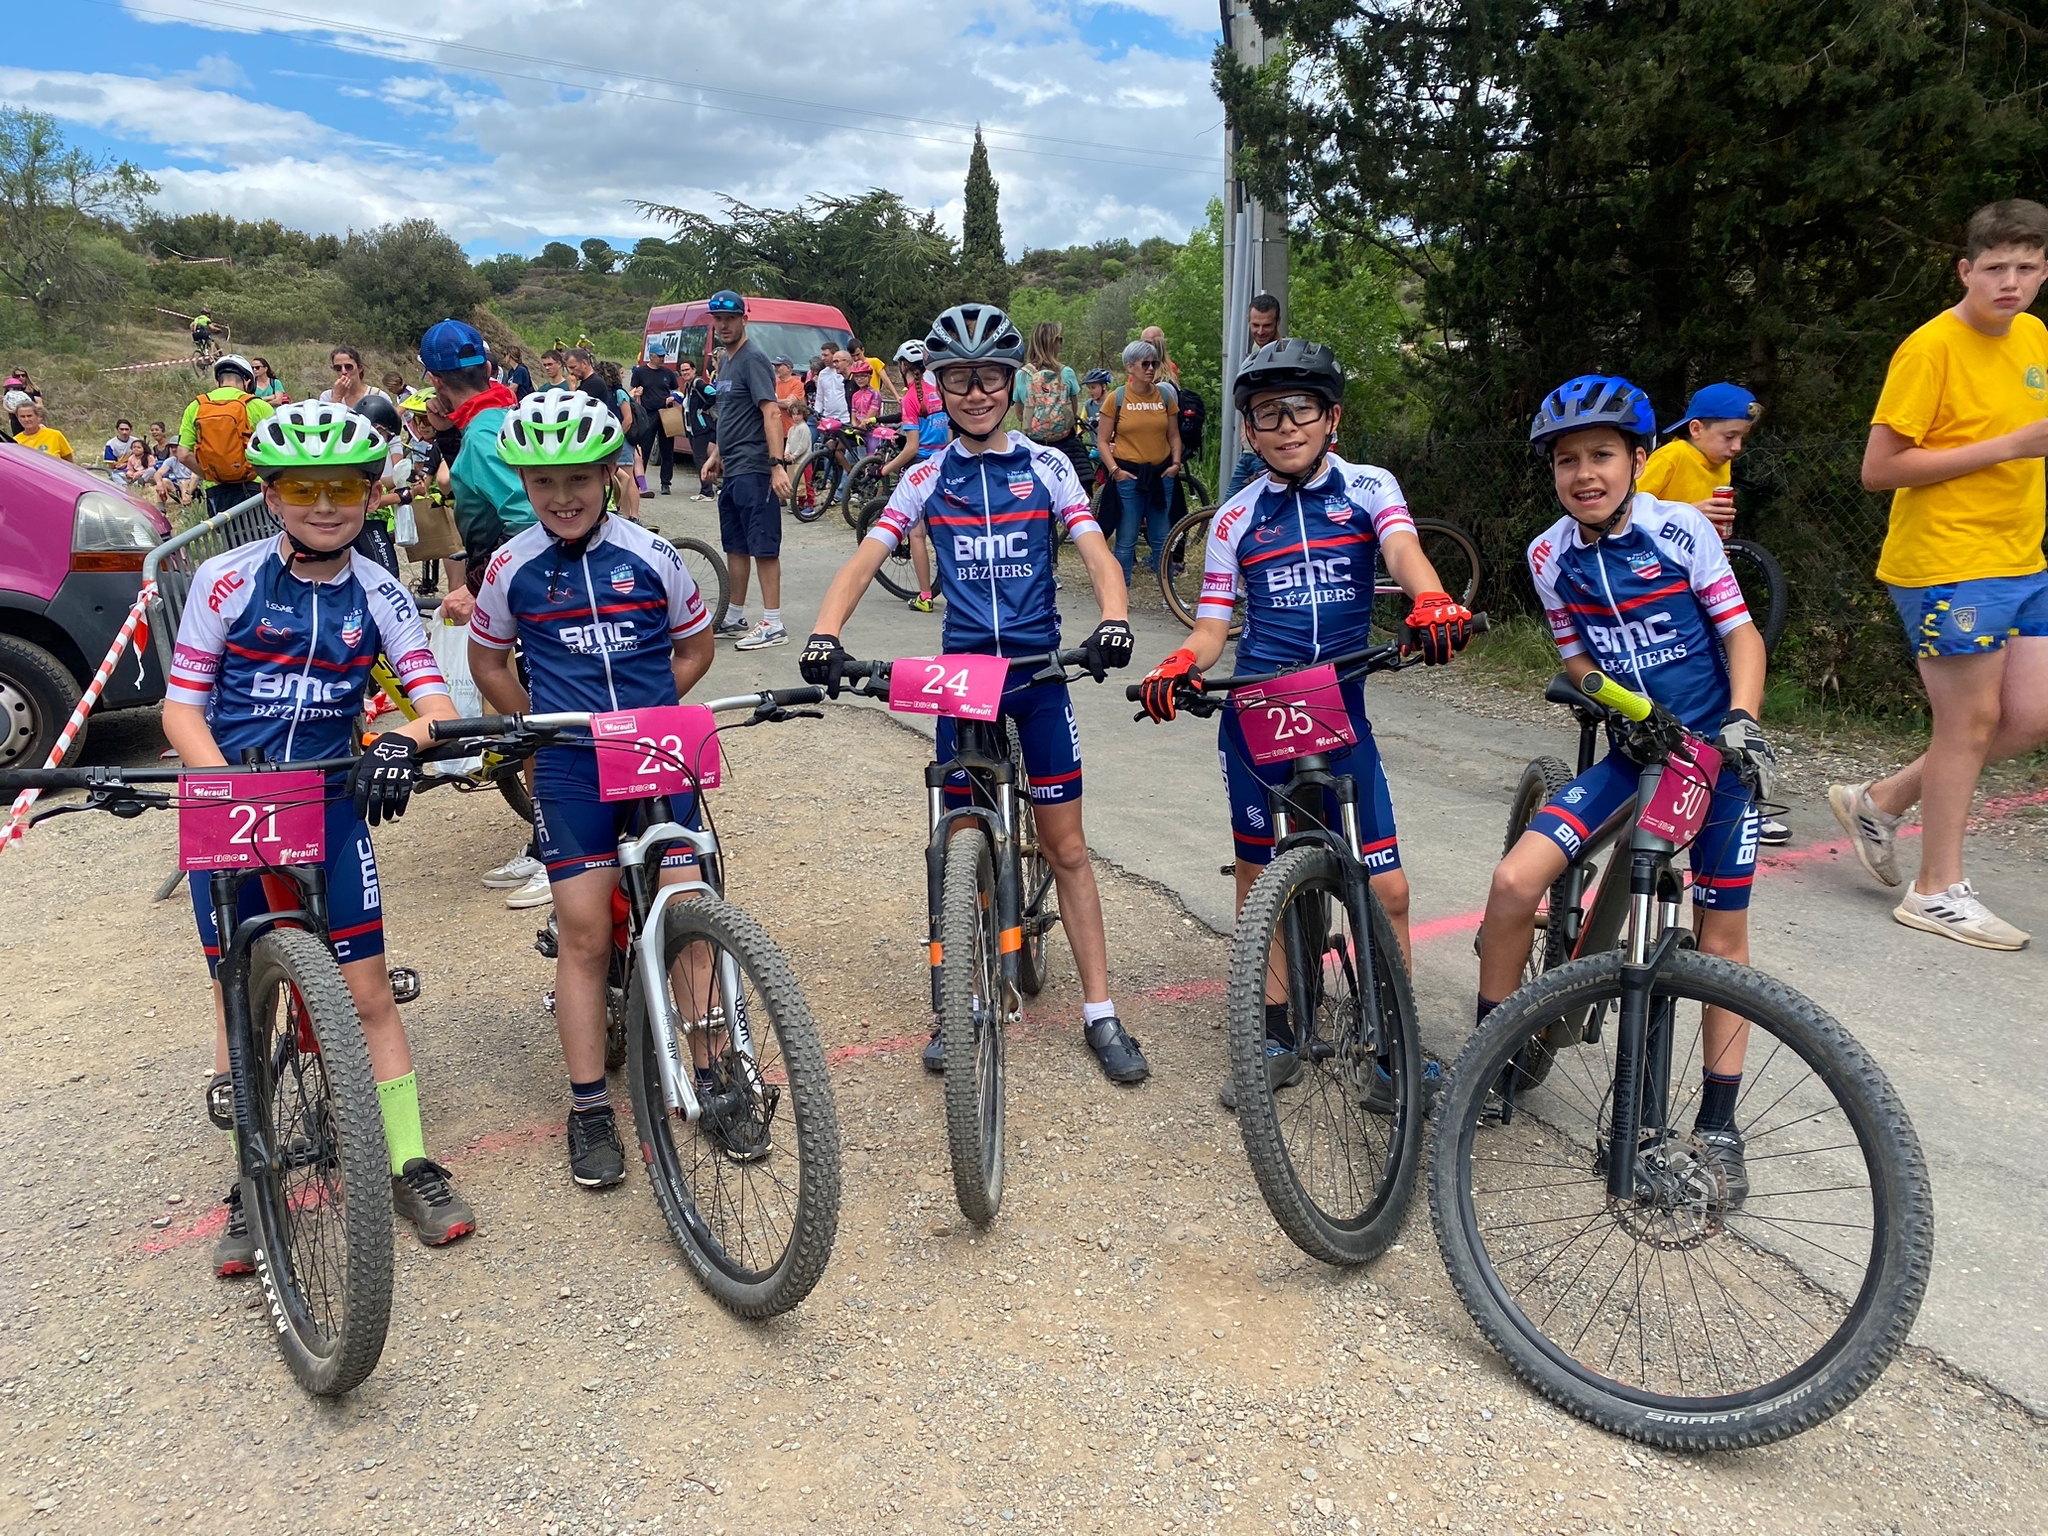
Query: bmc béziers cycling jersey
(280, 663)
(598, 628)
(1305, 558)
(1647, 604)
(990, 516)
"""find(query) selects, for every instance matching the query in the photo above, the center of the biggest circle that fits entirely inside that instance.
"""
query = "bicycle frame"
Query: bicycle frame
(992, 772)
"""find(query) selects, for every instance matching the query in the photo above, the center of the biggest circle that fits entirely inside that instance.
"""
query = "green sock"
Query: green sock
(400, 1101)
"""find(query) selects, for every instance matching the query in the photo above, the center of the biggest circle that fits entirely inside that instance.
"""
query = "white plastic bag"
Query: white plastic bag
(450, 645)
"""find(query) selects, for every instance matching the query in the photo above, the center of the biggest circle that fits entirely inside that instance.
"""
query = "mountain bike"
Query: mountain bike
(1600, 1241)
(309, 1133)
(1764, 591)
(897, 575)
(867, 480)
(1450, 549)
(745, 1168)
(819, 479)
(987, 885)
(1335, 1155)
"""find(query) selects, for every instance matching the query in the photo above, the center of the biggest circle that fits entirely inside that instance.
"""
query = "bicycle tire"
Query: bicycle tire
(319, 1107)
(1194, 493)
(1181, 568)
(819, 465)
(1817, 1149)
(864, 480)
(897, 574)
(971, 1025)
(1034, 873)
(1335, 1094)
(1757, 572)
(1455, 555)
(1543, 778)
(708, 569)
(747, 1281)
(512, 789)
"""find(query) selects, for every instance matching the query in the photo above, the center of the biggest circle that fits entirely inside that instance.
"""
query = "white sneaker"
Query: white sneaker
(513, 873)
(1958, 913)
(535, 893)
(1873, 834)
(761, 636)
(732, 630)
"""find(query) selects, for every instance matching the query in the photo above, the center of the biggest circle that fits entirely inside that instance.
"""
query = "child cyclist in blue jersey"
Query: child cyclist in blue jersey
(989, 498)
(1640, 589)
(273, 654)
(608, 618)
(1302, 539)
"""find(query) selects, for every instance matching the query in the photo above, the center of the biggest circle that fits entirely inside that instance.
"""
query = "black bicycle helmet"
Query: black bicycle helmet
(1594, 400)
(379, 412)
(1290, 363)
(973, 333)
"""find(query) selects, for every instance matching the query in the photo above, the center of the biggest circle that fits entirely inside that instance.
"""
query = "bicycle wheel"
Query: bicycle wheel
(1456, 558)
(1540, 780)
(1034, 875)
(1335, 1154)
(321, 1214)
(707, 568)
(813, 484)
(1764, 591)
(1180, 572)
(971, 1025)
(898, 574)
(512, 787)
(751, 1190)
(1196, 493)
(864, 480)
(1701, 1315)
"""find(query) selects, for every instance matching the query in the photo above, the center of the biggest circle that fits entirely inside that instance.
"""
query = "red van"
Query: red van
(780, 327)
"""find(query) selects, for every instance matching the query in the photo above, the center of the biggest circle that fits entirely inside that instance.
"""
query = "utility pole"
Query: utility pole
(1254, 234)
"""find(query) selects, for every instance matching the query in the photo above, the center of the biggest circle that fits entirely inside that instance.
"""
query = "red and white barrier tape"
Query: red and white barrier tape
(169, 362)
(134, 630)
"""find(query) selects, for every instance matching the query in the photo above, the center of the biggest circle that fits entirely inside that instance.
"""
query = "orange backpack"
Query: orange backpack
(222, 446)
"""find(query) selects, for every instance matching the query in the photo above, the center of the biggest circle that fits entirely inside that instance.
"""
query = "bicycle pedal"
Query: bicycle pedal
(1228, 869)
(546, 942)
(220, 1101)
(405, 984)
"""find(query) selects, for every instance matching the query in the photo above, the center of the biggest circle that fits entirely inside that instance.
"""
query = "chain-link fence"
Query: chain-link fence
(1802, 499)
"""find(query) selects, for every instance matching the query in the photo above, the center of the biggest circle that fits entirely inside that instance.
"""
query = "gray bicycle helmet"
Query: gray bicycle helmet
(1290, 363)
(974, 333)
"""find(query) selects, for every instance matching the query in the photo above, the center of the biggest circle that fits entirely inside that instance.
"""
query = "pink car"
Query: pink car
(71, 549)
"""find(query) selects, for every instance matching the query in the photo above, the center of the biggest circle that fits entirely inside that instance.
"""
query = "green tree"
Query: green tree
(57, 205)
(598, 256)
(404, 277)
(195, 236)
(504, 272)
(984, 269)
(557, 255)
(1682, 190)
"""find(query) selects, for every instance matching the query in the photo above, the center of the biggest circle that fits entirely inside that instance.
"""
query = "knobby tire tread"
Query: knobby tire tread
(1543, 778)
(718, 569)
(870, 514)
(977, 1169)
(1880, 1319)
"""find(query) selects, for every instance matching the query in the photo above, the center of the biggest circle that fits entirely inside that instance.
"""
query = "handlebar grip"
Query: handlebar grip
(809, 693)
(1132, 691)
(1481, 623)
(15, 780)
(487, 725)
(1602, 689)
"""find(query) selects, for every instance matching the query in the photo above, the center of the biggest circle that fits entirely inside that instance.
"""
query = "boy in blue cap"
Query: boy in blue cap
(1692, 467)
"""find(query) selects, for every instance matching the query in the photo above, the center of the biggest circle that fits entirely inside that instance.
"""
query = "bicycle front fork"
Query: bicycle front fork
(1642, 1047)
(1008, 900)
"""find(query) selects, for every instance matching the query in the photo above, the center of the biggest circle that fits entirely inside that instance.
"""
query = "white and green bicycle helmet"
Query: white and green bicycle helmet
(559, 427)
(315, 434)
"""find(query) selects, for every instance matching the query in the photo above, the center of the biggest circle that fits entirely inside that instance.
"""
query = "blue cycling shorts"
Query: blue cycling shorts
(355, 904)
(1967, 618)
(1251, 828)
(575, 832)
(1723, 855)
(1046, 727)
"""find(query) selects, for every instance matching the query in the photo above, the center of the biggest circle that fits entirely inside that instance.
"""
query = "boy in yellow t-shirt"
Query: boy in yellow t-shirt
(1959, 436)
(1692, 467)
(33, 433)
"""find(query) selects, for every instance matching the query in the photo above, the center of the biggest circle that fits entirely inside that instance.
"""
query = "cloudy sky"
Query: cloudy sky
(513, 122)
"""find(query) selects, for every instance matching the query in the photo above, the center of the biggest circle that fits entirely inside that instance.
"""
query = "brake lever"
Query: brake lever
(780, 712)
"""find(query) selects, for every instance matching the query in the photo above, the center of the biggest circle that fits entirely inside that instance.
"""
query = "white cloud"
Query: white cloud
(578, 109)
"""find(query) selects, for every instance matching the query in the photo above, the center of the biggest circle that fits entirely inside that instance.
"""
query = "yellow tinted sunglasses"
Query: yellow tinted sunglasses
(352, 492)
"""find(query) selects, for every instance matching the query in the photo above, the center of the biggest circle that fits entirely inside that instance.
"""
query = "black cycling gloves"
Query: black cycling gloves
(381, 781)
(1111, 646)
(823, 663)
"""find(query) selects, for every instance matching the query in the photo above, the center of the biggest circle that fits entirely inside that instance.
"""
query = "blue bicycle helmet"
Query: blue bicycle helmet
(726, 302)
(1594, 400)
(1096, 376)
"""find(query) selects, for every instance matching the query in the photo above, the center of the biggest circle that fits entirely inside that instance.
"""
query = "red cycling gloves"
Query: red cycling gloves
(1155, 693)
(1438, 626)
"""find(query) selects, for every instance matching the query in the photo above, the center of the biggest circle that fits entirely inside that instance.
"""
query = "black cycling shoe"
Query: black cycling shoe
(1723, 1155)
(1116, 1052)
(595, 1158)
(235, 1253)
(935, 1052)
(1283, 1070)
(733, 1120)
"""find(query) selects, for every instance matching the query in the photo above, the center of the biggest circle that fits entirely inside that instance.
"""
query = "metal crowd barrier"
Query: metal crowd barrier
(171, 564)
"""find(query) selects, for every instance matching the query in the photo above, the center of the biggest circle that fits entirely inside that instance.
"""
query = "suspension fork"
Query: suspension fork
(935, 873)
(252, 1142)
(1009, 901)
(1642, 1061)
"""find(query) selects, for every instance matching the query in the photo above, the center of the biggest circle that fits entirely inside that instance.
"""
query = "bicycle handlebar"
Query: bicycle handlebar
(114, 776)
(1606, 692)
(763, 703)
(1378, 658)
(878, 671)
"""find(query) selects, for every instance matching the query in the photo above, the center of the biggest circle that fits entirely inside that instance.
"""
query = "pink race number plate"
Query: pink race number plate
(251, 820)
(646, 752)
(1678, 809)
(1293, 716)
(966, 687)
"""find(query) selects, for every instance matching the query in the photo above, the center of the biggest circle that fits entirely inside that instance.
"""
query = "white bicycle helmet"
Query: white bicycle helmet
(236, 361)
(910, 352)
(559, 426)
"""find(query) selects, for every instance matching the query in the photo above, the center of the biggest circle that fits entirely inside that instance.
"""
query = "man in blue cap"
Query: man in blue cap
(1693, 466)
(490, 506)
(752, 467)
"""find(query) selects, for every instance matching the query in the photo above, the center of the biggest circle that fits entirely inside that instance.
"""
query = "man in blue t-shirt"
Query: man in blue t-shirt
(753, 474)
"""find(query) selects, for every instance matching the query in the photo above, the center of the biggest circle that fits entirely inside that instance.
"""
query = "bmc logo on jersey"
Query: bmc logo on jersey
(352, 629)
(297, 685)
(969, 547)
(622, 579)
(592, 639)
(1334, 571)
(1539, 556)
(232, 582)
(1632, 634)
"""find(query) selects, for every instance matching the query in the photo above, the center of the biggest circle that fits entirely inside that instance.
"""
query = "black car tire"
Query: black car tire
(37, 695)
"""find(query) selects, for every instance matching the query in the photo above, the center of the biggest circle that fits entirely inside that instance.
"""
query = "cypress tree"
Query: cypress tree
(984, 271)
